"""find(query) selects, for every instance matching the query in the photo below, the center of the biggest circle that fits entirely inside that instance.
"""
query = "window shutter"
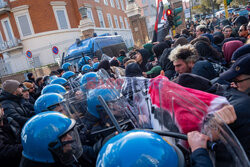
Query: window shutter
(24, 25)
(62, 19)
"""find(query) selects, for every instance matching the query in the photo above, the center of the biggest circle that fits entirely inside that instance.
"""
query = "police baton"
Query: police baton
(110, 114)
(210, 145)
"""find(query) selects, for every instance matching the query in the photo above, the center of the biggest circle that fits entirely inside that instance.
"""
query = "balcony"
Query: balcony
(11, 45)
(4, 7)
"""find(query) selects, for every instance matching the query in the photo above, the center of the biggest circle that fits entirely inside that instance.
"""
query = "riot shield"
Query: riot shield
(135, 91)
(183, 110)
(75, 103)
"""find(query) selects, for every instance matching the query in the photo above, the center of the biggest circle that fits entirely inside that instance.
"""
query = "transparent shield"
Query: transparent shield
(75, 103)
(183, 110)
(135, 90)
(105, 57)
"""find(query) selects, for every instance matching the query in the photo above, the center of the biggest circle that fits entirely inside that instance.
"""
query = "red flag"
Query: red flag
(187, 107)
(160, 9)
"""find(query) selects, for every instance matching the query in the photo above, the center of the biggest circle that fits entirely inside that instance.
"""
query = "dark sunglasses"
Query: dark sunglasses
(241, 30)
(238, 81)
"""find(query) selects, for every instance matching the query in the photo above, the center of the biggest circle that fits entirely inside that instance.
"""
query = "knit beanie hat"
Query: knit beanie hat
(10, 86)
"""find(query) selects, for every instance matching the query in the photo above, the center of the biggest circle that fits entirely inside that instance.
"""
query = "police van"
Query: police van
(95, 46)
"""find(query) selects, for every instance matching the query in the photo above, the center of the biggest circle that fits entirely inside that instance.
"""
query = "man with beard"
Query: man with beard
(11, 98)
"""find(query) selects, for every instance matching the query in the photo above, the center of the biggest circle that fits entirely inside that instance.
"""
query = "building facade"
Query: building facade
(31, 30)
(148, 10)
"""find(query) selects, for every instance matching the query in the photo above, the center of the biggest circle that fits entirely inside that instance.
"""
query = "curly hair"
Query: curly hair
(186, 52)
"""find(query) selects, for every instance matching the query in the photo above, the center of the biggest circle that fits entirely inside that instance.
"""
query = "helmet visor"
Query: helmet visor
(70, 148)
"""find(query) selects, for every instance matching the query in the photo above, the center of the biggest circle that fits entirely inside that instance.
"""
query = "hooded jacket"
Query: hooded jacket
(229, 48)
(14, 108)
(145, 56)
(133, 70)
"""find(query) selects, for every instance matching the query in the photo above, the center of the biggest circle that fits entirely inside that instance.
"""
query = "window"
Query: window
(116, 22)
(106, 2)
(122, 4)
(122, 23)
(24, 25)
(23, 21)
(126, 22)
(112, 3)
(1, 38)
(7, 29)
(110, 20)
(101, 19)
(90, 15)
(61, 17)
(117, 4)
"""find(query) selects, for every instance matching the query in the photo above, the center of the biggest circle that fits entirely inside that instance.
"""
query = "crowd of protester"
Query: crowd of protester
(212, 56)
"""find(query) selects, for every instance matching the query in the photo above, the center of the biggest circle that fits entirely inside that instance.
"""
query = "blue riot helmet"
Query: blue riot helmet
(91, 76)
(54, 88)
(68, 74)
(60, 81)
(86, 68)
(84, 60)
(49, 137)
(94, 106)
(95, 66)
(47, 102)
(48, 79)
(137, 148)
(89, 81)
(66, 67)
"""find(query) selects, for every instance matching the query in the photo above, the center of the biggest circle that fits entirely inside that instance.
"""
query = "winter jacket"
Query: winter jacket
(200, 158)
(145, 56)
(10, 144)
(27, 104)
(240, 127)
(205, 69)
(14, 108)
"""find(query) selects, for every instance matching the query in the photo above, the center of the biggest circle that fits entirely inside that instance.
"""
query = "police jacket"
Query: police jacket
(13, 108)
(240, 127)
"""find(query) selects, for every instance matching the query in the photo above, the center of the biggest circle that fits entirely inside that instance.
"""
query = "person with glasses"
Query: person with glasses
(31, 90)
(243, 31)
(239, 74)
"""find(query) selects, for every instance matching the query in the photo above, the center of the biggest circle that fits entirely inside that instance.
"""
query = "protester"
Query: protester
(186, 60)
(10, 143)
(122, 55)
(133, 70)
(201, 29)
(32, 93)
(227, 31)
(30, 78)
(26, 99)
(11, 98)
(239, 73)
(243, 31)
(229, 48)
(141, 58)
